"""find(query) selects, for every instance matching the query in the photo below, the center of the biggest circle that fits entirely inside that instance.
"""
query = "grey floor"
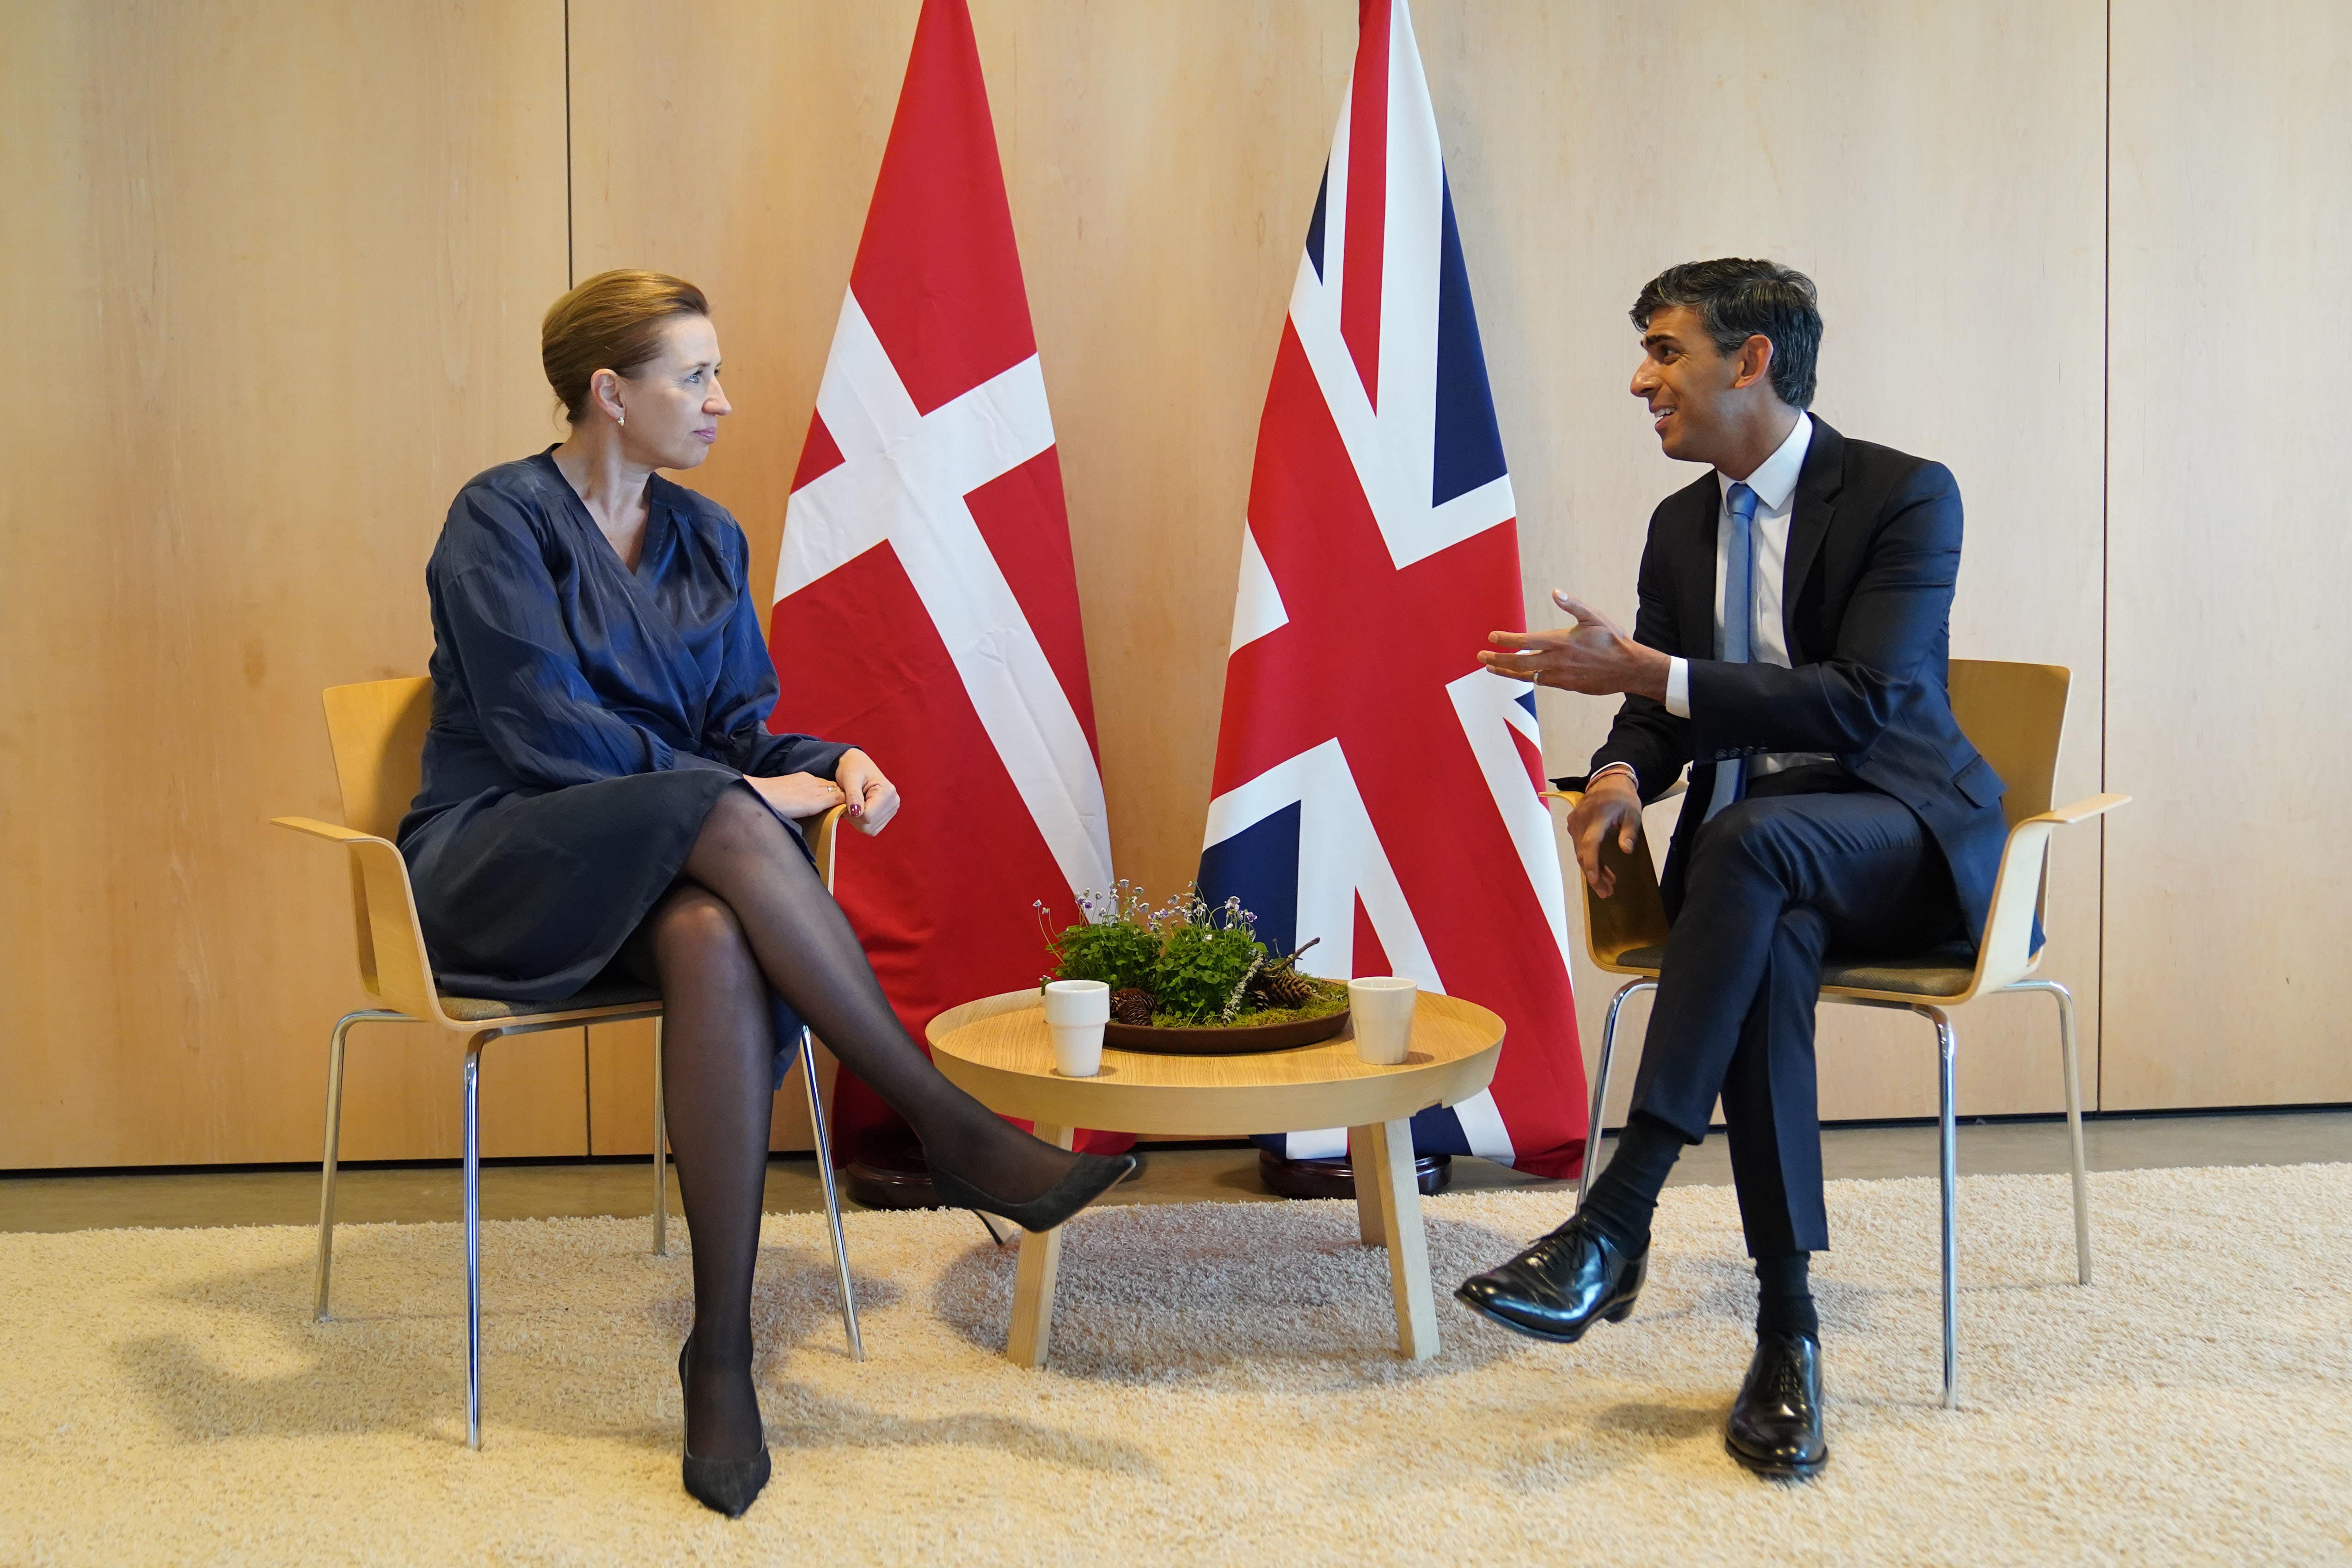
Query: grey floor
(1172, 1174)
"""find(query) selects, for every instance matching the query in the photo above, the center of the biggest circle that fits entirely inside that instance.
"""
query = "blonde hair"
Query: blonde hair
(612, 321)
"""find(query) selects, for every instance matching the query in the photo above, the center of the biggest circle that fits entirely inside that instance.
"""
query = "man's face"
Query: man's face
(1685, 381)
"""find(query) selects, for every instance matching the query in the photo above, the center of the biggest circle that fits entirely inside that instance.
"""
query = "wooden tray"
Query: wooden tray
(1230, 1040)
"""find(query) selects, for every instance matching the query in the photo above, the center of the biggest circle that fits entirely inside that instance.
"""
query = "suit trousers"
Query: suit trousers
(1813, 861)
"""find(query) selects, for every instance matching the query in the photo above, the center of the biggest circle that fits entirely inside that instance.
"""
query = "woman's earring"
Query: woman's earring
(622, 418)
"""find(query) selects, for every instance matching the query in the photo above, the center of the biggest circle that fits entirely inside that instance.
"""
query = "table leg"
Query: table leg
(1364, 1160)
(1032, 1281)
(1408, 1246)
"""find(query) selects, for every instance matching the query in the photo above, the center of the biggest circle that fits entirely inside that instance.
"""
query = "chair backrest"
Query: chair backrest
(2014, 714)
(377, 730)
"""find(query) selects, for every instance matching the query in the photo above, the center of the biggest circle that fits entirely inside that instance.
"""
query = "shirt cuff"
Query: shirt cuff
(1678, 687)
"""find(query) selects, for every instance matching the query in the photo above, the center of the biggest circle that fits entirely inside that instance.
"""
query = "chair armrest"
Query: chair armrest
(317, 829)
(1635, 915)
(2083, 810)
(2007, 954)
(393, 962)
(822, 833)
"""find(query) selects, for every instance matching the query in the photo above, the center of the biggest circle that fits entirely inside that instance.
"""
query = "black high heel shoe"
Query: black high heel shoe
(722, 1486)
(1082, 1184)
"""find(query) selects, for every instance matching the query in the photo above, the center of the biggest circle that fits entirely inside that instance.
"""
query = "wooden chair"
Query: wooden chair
(2014, 713)
(377, 730)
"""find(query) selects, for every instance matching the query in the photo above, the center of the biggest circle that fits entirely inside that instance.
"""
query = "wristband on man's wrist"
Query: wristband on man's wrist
(1616, 770)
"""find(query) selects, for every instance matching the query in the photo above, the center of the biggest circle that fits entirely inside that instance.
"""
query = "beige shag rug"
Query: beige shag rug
(1223, 1389)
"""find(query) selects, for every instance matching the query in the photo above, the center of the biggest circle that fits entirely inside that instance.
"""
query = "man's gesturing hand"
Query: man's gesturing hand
(1595, 657)
(873, 799)
(1612, 806)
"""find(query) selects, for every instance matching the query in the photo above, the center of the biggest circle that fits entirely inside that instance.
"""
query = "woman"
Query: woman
(601, 792)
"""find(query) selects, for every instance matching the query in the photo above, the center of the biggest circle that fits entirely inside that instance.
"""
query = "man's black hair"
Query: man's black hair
(1738, 299)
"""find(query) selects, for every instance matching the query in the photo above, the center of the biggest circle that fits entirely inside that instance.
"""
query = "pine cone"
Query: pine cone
(1133, 1006)
(1284, 986)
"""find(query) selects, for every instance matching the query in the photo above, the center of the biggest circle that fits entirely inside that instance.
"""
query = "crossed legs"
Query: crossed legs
(748, 916)
(1776, 881)
(1803, 863)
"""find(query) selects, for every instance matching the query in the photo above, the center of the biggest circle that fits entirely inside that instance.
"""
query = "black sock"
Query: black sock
(1784, 1300)
(1624, 1197)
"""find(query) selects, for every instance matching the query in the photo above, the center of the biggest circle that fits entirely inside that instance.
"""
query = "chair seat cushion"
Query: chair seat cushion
(608, 993)
(1943, 971)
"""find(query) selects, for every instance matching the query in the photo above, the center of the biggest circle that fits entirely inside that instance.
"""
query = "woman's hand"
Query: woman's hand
(873, 799)
(797, 795)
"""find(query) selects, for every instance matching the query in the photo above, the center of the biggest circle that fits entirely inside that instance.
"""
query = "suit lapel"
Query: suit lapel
(1818, 484)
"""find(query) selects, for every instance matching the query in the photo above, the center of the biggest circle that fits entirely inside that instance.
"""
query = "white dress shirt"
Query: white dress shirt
(1775, 484)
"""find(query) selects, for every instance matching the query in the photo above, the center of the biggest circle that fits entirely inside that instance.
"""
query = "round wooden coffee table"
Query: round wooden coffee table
(998, 1050)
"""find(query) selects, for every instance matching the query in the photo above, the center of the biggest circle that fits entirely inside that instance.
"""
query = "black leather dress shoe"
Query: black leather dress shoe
(1557, 1288)
(1776, 1422)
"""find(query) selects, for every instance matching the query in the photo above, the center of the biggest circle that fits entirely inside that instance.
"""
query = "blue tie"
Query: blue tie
(1738, 625)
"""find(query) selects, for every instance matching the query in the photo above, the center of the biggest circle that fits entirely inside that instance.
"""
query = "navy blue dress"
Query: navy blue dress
(585, 718)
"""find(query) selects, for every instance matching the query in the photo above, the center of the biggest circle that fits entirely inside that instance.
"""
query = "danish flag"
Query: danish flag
(926, 608)
(1375, 786)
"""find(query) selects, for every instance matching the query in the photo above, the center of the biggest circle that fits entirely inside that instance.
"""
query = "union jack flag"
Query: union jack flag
(1375, 787)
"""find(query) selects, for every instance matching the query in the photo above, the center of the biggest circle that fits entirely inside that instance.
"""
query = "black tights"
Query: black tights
(750, 915)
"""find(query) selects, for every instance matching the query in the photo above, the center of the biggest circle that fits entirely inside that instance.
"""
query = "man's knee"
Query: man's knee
(1745, 838)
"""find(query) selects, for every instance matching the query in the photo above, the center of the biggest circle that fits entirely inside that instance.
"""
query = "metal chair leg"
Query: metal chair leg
(2065, 1000)
(832, 1198)
(1601, 1082)
(330, 1153)
(661, 1153)
(1950, 1170)
(473, 1245)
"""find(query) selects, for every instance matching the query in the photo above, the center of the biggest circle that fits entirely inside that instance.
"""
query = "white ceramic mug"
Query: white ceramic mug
(1077, 1010)
(1382, 1011)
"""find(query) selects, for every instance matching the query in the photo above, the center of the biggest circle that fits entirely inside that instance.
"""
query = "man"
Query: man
(1790, 647)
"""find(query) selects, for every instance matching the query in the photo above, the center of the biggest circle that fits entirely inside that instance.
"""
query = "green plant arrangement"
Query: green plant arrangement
(1186, 965)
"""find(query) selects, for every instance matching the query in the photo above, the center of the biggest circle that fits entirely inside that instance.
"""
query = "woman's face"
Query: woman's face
(673, 403)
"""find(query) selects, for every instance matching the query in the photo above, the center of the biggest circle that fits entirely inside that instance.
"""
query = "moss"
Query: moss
(1331, 997)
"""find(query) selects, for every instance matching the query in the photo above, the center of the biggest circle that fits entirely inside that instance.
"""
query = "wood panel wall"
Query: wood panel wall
(274, 271)
(2228, 881)
(294, 260)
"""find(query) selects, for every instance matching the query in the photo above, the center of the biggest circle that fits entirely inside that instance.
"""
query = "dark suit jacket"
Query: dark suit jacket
(1873, 550)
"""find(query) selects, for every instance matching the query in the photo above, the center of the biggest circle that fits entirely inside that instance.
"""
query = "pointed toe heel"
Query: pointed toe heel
(722, 1486)
(725, 1486)
(1089, 1178)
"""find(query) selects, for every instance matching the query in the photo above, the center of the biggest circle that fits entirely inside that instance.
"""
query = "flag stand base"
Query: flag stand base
(889, 1173)
(1432, 1173)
